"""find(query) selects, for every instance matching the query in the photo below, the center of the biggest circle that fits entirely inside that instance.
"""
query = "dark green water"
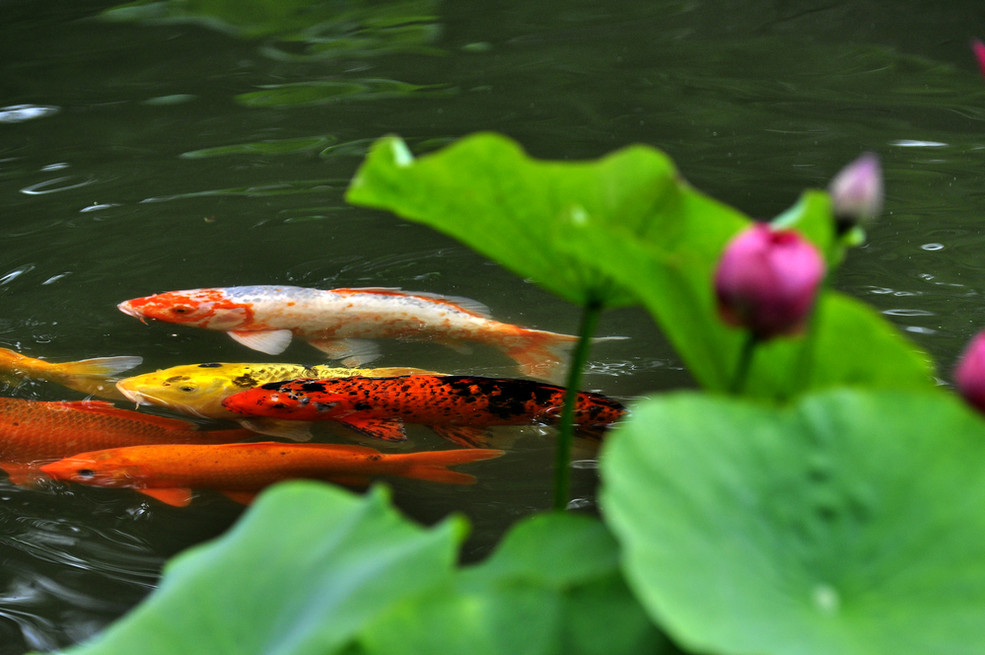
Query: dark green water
(111, 187)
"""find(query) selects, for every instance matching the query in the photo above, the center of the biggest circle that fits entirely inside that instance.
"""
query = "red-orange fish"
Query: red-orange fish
(457, 407)
(241, 470)
(33, 432)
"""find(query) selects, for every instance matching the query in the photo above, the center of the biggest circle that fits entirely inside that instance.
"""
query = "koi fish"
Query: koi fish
(33, 431)
(457, 407)
(199, 389)
(339, 321)
(240, 470)
(90, 376)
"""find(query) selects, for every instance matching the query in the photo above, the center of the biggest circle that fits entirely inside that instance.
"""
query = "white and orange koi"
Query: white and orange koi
(338, 321)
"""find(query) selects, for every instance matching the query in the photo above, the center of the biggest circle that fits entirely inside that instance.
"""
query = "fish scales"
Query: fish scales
(33, 431)
(337, 321)
(199, 389)
(433, 400)
(169, 472)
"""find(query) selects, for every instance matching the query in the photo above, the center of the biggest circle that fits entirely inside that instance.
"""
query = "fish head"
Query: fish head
(100, 469)
(205, 308)
(197, 389)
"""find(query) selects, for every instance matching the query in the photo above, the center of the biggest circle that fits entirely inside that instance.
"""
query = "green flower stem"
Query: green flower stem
(741, 374)
(566, 425)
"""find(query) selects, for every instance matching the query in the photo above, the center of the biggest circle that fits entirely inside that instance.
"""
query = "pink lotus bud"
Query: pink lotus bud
(766, 281)
(979, 49)
(856, 192)
(969, 376)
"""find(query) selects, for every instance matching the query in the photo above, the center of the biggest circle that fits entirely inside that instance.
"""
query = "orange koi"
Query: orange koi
(240, 470)
(339, 321)
(91, 376)
(457, 407)
(33, 432)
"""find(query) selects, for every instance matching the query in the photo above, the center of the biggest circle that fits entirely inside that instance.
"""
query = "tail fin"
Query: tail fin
(99, 367)
(93, 376)
(434, 465)
(544, 355)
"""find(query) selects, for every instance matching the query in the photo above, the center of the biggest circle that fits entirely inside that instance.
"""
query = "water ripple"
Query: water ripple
(21, 113)
(10, 276)
(57, 184)
(907, 312)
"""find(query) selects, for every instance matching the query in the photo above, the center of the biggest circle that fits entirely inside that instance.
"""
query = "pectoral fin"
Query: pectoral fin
(178, 496)
(388, 429)
(272, 342)
(293, 430)
(351, 352)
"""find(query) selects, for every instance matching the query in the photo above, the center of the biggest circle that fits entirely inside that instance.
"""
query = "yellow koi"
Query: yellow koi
(199, 389)
(90, 376)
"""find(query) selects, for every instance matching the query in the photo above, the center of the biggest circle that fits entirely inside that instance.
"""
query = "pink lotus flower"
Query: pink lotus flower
(856, 191)
(767, 280)
(979, 49)
(969, 376)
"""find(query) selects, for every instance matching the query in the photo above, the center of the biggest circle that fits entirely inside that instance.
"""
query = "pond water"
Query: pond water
(143, 150)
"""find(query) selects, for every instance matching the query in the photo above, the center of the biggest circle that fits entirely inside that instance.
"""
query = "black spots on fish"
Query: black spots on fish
(362, 407)
(177, 381)
(271, 386)
(324, 407)
(596, 409)
(505, 399)
(210, 365)
(313, 385)
(374, 458)
(246, 381)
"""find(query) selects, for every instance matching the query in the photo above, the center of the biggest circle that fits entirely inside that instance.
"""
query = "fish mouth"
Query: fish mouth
(143, 398)
(133, 395)
(129, 310)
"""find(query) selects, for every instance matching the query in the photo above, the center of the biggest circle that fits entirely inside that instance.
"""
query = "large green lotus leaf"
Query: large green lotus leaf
(302, 572)
(849, 523)
(486, 192)
(853, 344)
(552, 586)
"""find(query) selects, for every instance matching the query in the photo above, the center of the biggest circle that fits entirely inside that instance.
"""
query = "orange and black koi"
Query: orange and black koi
(457, 407)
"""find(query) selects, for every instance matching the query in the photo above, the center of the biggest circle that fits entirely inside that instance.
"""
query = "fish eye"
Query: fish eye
(186, 389)
(86, 473)
(180, 309)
